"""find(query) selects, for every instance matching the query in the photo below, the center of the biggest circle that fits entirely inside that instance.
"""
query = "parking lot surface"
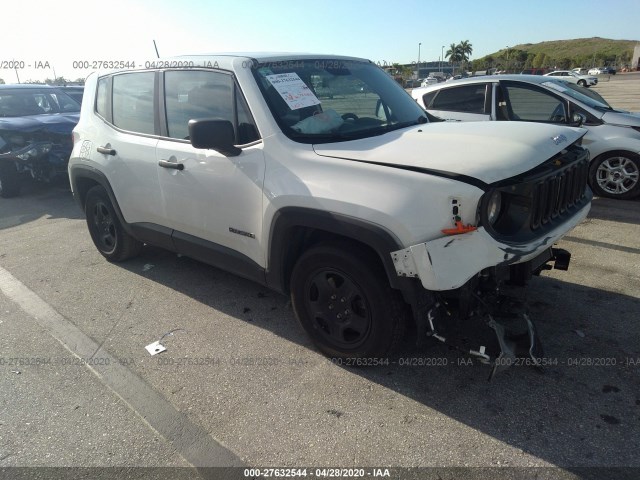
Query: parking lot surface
(240, 383)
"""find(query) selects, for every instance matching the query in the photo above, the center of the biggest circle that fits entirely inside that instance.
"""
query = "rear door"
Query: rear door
(125, 143)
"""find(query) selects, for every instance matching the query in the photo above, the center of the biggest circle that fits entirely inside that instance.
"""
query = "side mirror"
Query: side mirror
(214, 135)
(578, 119)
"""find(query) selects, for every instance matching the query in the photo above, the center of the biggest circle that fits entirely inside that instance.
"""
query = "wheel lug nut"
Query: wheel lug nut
(339, 316)
(333, 297)
(343, 299)
(331, 307)
(346, 312)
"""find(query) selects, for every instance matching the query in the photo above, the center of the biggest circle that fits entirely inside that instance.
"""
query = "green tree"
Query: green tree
(453, 54)
(465, 49)
(1, 81)
(538, 60)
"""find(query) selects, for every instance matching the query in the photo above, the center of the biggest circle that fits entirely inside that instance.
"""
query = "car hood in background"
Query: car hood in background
(622, 118)
(54, 123)
(486, 151)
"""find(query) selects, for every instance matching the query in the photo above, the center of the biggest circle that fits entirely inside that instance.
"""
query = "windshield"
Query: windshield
(328, 100)
(26, 102)
(582, 94)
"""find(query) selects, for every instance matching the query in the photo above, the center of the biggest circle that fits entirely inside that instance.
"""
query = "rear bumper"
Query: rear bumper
(449, 262)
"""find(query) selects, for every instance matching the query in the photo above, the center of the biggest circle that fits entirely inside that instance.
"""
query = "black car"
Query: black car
(35, 134)
(74, 91)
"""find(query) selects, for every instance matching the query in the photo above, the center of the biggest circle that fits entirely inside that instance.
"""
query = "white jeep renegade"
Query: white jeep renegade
(319, 176)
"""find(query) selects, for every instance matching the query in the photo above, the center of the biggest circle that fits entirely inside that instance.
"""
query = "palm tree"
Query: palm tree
(465, 49)
(453, 54)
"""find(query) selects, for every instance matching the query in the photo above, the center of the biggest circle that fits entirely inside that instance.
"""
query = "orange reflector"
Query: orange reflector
(460, 228)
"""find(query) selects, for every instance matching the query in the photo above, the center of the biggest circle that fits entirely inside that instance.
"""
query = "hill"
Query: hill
(579, 52)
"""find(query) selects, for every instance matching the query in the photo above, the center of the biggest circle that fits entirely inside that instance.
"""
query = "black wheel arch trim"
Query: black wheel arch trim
(79, 172)
(288, 219)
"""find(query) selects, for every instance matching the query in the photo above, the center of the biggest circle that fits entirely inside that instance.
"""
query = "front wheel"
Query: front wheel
(342, 298)
(107, 232)
(616, 175)
(9, 180)
(582, 83)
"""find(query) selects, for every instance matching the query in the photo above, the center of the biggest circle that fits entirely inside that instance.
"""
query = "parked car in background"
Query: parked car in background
(74, 91)
(573, 77)
(602, 71)
(580, 71)
(534, 71)
(35, 134)
(429, 81)
(613, 136)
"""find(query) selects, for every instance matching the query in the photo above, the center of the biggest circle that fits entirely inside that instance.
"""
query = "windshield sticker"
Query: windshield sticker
(554, 86)
(293, 90)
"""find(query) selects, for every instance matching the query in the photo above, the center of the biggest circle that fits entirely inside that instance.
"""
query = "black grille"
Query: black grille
(556, 193)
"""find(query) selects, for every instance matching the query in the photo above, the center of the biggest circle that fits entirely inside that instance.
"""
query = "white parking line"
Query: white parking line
(191, 441)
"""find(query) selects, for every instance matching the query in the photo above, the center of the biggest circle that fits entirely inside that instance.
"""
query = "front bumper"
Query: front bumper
(449, 262)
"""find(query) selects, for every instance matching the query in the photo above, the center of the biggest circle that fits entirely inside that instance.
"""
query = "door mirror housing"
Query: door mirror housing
(578, 119)
(216, 135)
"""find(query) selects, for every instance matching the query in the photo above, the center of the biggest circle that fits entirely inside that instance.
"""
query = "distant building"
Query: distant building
(635, 60)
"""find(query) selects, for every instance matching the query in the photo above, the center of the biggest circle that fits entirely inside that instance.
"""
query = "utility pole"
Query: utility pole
(418, 69)
(441, 59)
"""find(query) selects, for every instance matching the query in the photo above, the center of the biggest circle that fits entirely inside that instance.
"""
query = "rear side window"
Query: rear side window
(199, 94)
(101, 98)
(465, 98)
(427, 98)
(133, 102)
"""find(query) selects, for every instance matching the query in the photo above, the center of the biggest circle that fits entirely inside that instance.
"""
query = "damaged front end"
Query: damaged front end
(41, 155)
(472, 278)
(488, 317)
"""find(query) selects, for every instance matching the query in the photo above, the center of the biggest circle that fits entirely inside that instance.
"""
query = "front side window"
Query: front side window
(329, 100)
(193, 94)
(25, 102)
(133, 102)
(531, 104)
(466, 98)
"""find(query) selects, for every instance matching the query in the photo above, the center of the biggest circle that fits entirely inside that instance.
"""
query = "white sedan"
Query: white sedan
(573, 77)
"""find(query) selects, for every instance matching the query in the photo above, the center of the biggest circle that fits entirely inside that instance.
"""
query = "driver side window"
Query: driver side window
(532, 105)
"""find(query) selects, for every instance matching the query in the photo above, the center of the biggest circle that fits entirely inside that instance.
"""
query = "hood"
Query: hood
(622, 118)
(53, 123)
(487, 151)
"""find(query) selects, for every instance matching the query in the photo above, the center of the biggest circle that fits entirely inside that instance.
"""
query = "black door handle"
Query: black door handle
(107, 150)
(168, 164)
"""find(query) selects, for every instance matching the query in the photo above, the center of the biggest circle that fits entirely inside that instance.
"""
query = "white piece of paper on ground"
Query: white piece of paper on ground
(293, 90)
(155, 347)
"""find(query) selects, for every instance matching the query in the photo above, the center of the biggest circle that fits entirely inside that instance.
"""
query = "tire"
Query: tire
(343, 300)
(107, 232)
(9, 180)
(616, 175)
(582, 83)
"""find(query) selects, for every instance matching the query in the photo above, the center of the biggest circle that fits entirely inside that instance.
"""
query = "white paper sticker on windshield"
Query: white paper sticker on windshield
(554, 86)
(293, 90)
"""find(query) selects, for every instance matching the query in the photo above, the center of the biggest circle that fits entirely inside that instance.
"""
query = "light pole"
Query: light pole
(507, 67)
(418, 69)
(441, 58)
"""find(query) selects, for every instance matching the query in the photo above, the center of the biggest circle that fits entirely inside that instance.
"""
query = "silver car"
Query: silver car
(613, 136)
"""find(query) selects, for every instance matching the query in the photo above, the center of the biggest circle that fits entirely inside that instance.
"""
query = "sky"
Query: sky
(39, 36)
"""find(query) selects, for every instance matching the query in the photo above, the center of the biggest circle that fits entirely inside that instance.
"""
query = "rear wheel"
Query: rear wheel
(616, 175)
(343, 300)
(9, 180)
(107, 232)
